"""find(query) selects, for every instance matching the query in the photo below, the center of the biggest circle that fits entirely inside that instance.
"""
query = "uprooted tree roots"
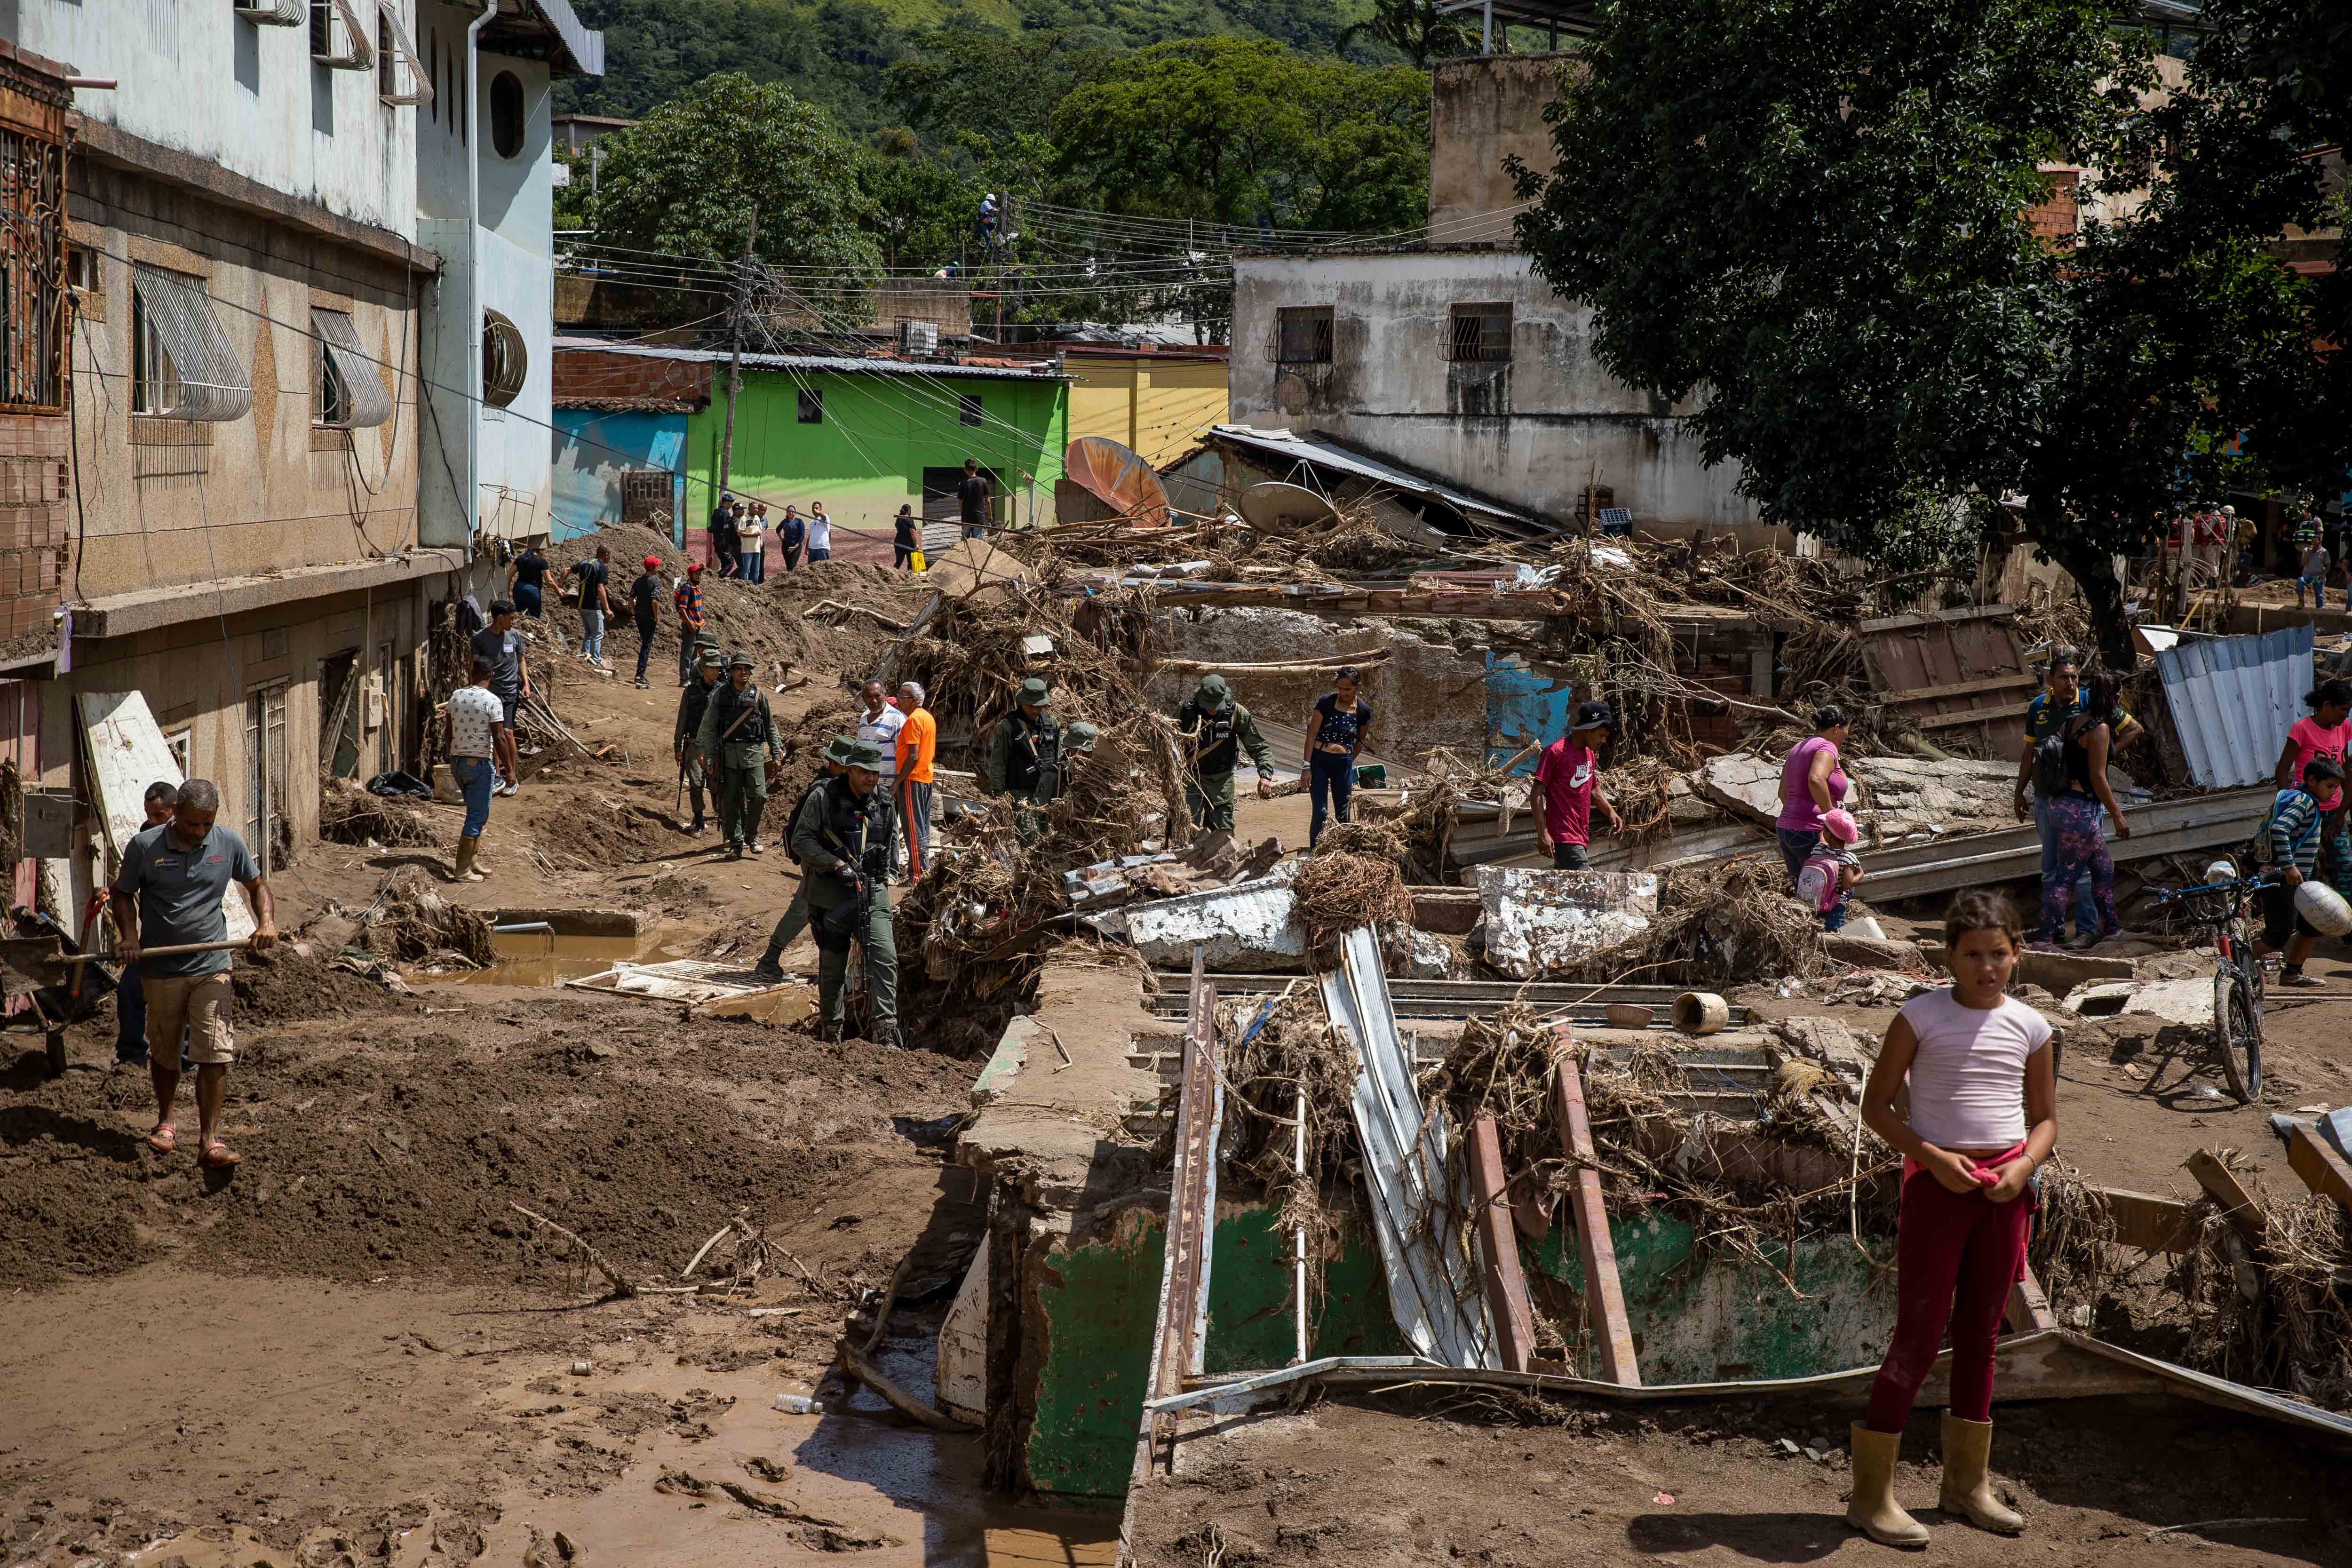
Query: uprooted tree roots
(1339, 892)
(409, 920)
(350, 814)
(1724, 922)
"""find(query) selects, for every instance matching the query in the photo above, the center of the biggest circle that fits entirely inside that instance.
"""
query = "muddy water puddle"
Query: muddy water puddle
(722, 989)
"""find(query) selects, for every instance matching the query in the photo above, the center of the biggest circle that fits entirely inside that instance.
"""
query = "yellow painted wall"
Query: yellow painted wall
(1160, 408)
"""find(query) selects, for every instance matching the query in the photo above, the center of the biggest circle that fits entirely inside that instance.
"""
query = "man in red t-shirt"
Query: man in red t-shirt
(1567, 786)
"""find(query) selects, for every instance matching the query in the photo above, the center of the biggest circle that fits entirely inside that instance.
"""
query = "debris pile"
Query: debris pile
(409, 921)
(348, 814)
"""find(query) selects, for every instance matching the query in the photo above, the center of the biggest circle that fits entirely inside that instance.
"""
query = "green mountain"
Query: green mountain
(833, 52)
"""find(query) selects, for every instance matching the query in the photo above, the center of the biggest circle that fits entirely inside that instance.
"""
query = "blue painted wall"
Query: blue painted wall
(592, 449)
(1524, 707)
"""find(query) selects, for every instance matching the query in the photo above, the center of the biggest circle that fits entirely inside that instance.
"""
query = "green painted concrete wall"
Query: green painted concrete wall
(866, 458)
(1694, 1320)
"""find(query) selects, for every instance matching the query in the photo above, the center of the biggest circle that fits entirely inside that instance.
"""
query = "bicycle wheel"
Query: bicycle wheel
(2238, 1030)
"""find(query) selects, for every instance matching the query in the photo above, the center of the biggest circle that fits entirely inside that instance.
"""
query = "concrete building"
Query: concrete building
(484, 203)
(235, 433)
(620, 441)
(1453, 359)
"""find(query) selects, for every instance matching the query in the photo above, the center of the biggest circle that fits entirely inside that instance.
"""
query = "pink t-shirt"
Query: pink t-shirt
(1967, 1082)
(1799, 812)
(2311, 741)
(1566, 773)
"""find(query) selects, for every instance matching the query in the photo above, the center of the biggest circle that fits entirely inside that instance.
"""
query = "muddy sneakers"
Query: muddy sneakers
(770, 968)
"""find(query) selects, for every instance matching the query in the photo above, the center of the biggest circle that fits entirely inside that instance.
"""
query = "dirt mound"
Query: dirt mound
(283, 987)
(397, 1148)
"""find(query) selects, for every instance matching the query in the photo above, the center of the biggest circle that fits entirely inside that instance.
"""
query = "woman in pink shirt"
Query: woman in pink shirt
(1982, 1118)
(1811, 783)
(2327, 733)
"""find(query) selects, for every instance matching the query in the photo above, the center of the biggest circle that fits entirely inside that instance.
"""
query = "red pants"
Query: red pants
(1956, 1257)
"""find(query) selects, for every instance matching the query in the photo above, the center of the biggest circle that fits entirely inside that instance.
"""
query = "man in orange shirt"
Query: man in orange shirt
(918, 738)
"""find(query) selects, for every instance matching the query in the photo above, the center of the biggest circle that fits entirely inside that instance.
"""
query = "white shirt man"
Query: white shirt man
(880, 723)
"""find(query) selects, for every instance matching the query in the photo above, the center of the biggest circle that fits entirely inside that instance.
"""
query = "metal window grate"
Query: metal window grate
(350, 393)
(395, 52)
(968, 410)
(1479, 333)
(1303, 335)
(32, 269)
(349, 51)
(199, 375)
(274, 13)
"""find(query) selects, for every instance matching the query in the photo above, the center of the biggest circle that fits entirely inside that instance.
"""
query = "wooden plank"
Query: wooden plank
(1961, 688)
(2028, 1308)
(1604, 1294)
(1936, 618)
(2150, 1223)
(2238, 1206)
(1498, 1251)
(1192, 1208)
(126, 752)
(2323, 1170)
(2003, 713)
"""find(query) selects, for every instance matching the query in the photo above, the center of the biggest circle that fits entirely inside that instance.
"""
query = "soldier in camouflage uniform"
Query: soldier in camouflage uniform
(1216, 728)
(1025, 759)
(740, 733)
(843, 841)
(796, 918)
(685, 744)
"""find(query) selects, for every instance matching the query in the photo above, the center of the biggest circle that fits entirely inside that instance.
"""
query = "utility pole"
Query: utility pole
(735, 353)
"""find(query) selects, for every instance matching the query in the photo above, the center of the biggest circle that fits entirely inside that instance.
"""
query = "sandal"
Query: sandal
(219, 1156)
(161, 1140)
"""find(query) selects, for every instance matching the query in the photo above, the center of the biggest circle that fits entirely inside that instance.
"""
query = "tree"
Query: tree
(1414, 28)
(1817, 215)
(685, 179)
(918, 209)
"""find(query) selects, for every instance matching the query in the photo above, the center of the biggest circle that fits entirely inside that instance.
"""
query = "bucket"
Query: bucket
(1626, 1015)
(1701, 1013)
(2324, 907)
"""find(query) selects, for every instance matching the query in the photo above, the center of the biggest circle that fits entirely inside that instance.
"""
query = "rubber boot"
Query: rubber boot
(771, 966)
(1873, 1510)
(1966, 1490)
(885, 1033)
(466, 849)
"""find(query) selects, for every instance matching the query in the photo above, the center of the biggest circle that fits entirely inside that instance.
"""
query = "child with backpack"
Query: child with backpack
(1830, 871)
(2290, 844)
(1983, 1116)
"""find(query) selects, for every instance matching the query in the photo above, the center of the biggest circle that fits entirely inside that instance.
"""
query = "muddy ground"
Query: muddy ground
(353, 1349)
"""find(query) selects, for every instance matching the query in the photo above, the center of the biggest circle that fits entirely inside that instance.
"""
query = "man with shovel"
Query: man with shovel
(167, 897)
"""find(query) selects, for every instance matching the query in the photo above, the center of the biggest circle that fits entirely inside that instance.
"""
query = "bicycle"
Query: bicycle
(2238, 981)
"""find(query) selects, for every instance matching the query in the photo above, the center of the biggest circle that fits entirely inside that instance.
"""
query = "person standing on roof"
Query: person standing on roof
(686, 735)
(1025, 759)
(692, 620)
(973, 499)
(919, 739)
(844, 846)
(169, 893)
(796, 918)
(1336, 732)
(1215, 731)
(740, 732)
(644, 600)
(1567, 786)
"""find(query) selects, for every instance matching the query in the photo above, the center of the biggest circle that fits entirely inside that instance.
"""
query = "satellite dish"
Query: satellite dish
(1275, 507)
(1118, 477)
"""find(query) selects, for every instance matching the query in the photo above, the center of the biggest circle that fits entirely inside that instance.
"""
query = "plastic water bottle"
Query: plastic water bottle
(799, 1405)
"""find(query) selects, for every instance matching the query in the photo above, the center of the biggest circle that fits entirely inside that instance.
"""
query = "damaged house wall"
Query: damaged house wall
(1534, 420)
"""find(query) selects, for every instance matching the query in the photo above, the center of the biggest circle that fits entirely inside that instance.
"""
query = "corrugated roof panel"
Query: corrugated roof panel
(1323, 455)
(2233, 701)
(848, 363)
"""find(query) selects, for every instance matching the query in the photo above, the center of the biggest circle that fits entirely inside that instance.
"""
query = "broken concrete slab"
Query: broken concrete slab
(1540, 923)
(1250, 928)
(2187, 1001)
(1875, 952)
(2055, 971)
(1744, 784)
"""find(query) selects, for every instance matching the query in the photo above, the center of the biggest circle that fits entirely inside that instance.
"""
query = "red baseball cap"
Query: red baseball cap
(692, 566)
(652, 562)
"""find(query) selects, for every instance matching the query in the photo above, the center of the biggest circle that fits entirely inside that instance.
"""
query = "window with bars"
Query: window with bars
(32, 268)
(967, 409)
(1303, 335)
(350, 395)
(182, 365)
(1478, 332)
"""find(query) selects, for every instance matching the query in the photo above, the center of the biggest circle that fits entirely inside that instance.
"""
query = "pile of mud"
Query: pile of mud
(396, 1148)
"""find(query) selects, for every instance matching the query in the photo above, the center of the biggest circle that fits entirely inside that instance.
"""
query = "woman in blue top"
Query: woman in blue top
(1336, 732)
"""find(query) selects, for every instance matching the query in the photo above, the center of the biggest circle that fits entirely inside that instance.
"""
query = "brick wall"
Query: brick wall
(36, 519)
(592, 373)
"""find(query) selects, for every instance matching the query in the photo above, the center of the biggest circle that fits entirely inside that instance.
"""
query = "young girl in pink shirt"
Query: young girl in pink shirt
(1983, 1117)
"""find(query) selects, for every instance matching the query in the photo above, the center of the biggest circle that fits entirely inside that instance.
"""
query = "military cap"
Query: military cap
(1212, 692)
(741, 662)
(837, 750)
(1036, 693)
(709, 654)
(865, 754)
(1082, 736)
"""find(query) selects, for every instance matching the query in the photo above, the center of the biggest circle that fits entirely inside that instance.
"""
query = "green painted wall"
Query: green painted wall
(1692, 1322)
(866, 456)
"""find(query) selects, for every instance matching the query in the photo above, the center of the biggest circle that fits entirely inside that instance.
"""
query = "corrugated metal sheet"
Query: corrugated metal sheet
(2233, 701)
(1281, 446)
(846, 364)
